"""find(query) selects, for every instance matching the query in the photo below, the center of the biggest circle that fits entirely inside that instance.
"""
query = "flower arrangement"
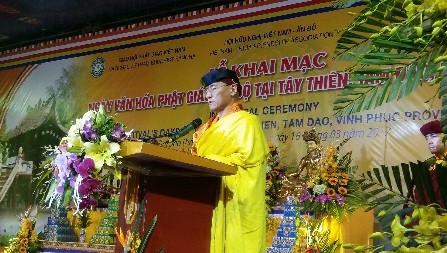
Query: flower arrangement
(275, 171)
(327, 187)
(91, 145)
(26, 239)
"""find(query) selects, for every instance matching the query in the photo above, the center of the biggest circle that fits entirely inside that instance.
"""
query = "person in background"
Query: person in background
(432, 131)
(235, 137)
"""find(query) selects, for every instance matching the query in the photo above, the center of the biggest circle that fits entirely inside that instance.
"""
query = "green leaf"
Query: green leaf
(395, 45)
(368, 99)
(377, 174)
(382, 92)
(407, 81)
(375, 192)
(394, 88)
(347, 41)
(342, 100)
(353, 35)
(397, 178)
(376, 61)
(385, 198)
(367, 185)
(405, 168)
(371, 207)
(364, 29)
(383, 55)
(375, 22)
(358, 86)
(359, 78)
(340, 46)
(373, 70)
(147, 235)
(356, 107)
(66, 197)
(386, 174)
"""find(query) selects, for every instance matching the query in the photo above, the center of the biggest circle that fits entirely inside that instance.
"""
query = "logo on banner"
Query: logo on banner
(98, 66)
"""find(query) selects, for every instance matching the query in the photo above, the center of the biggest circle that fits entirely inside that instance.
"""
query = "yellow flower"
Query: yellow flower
(22, 250)
(33, 236)
(27, 223)
(342, 190)
(333, 181)
(102, 152)
(311, 183)
(24, 241)
(330, 191)
(343, 182)
(120, 236)
(333, 174)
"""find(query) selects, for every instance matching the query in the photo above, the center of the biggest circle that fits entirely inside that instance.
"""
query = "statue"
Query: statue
(293, 183)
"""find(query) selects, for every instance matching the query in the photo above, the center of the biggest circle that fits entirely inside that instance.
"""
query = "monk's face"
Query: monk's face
(220, 96)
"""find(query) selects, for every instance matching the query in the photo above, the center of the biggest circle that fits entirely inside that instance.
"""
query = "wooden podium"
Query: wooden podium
(180, 188)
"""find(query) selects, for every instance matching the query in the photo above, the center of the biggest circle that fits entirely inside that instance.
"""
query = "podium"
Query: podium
(179, 188)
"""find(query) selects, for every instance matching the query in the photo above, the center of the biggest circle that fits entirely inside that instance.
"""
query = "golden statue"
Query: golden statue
(293, 183)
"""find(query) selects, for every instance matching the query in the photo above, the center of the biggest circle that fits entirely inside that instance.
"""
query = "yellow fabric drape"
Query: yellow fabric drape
(238, 223)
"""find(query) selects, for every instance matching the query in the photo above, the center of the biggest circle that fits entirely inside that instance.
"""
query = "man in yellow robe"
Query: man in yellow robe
(234, 136)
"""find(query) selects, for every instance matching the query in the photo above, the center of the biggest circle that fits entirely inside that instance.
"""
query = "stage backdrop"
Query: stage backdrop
(148, 76)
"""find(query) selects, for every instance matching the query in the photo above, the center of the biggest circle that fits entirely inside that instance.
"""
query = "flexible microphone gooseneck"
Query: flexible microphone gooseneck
(184, 130)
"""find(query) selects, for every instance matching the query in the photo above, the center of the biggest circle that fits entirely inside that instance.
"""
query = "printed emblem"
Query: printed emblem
(98, 66)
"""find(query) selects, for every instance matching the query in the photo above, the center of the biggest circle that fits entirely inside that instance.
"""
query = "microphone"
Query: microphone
(184, 130)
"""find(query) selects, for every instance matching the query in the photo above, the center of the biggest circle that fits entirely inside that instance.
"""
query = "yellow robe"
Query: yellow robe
(238, 223)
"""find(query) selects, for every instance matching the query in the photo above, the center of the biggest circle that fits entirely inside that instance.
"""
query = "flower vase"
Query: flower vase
(82, 235)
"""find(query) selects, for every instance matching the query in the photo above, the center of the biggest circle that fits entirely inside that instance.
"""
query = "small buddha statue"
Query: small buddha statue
(294, 183)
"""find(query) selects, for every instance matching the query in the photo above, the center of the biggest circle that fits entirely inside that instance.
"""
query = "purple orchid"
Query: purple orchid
(118, 133)
(340, 199)
(86, 167)
(73, 161)
(61, 164)
(323, 198)
(87, 202)
(88, 132)
(305, 196)
(60, 188)
(72, 182)
(88, 185)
